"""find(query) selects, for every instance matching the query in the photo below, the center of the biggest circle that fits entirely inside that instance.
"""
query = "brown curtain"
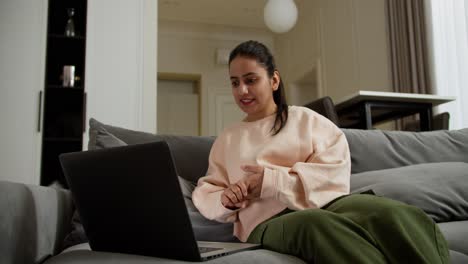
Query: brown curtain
(408, 49)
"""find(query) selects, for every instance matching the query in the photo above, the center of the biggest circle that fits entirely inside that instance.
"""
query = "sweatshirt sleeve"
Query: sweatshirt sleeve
(324, 176)
(207, 195)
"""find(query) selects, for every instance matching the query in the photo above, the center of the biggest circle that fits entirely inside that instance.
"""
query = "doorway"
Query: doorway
(179, 104)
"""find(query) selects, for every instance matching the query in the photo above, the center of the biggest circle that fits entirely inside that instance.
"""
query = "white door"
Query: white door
(178, 108)
(223, 111)
(23, 32)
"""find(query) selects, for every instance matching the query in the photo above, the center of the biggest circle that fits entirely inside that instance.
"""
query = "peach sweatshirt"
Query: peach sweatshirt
(306, 165)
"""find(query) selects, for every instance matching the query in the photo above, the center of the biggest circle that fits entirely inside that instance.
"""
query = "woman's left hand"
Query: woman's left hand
(253, 180)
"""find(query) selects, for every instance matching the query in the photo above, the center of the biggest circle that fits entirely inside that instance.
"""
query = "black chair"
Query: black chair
(439, 122)
(325, 107)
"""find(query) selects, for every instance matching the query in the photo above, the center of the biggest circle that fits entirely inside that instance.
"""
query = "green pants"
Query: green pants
(358, 228)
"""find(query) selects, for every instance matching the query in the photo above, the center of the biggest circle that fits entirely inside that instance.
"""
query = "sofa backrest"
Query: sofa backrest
(190, 153)
(370, 149)
(378, 149)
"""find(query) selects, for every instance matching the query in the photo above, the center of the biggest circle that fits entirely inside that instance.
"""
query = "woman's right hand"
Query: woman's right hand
(234, 196)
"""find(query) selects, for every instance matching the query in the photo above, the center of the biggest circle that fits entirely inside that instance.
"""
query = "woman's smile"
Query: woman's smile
(247, 101)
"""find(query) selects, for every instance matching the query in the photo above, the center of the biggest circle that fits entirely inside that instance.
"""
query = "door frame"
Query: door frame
(196, 78)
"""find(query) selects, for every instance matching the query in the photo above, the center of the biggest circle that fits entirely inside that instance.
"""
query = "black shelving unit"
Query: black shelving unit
(64, 107)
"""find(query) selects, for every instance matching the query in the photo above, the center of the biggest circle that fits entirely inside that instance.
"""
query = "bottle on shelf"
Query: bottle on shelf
(70, 26)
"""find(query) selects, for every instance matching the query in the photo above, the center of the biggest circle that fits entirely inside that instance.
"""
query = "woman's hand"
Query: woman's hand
(249, 187)
(234, 196)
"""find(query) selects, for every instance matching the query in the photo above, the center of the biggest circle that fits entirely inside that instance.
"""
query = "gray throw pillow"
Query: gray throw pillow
(440, 189)
(190, 152)
(104, 139)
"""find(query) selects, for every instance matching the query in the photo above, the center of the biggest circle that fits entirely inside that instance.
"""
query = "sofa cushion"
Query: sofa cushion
(456, 234)
(190, 152)
(82, 254)
(457, 257)
(378, 149)
(440, 189)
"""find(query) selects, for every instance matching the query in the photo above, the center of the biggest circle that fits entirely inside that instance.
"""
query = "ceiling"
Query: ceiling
(242, 13)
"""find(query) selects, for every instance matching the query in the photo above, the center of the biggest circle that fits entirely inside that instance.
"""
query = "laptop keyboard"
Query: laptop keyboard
(207, 249)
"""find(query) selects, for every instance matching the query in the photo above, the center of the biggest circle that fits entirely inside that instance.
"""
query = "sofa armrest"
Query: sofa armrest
(33, 221)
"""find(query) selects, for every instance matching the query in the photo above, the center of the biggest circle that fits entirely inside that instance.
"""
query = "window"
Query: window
(448, 36)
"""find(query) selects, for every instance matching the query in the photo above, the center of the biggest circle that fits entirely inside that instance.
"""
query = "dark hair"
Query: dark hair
(256, 50)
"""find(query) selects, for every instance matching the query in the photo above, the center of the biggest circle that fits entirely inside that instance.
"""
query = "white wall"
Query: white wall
(298, 55)
(190, 48)
(121, 63)
(354, 46)
(150, 66)
(336, 48)
(23, 31)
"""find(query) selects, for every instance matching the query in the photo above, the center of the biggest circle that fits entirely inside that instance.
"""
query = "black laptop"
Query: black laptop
(130, 201)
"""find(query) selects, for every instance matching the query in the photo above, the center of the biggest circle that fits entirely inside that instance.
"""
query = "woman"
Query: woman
(282, 177)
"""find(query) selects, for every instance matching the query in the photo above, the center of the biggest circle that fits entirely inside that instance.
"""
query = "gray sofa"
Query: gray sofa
(426, 169)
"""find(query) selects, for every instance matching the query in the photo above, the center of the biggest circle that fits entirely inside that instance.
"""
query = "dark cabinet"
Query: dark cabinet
(64, 105)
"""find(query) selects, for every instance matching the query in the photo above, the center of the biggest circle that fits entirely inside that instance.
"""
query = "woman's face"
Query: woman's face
(252, 88)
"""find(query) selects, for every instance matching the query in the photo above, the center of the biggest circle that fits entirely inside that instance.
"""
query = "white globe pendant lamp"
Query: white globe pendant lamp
(280, 15)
